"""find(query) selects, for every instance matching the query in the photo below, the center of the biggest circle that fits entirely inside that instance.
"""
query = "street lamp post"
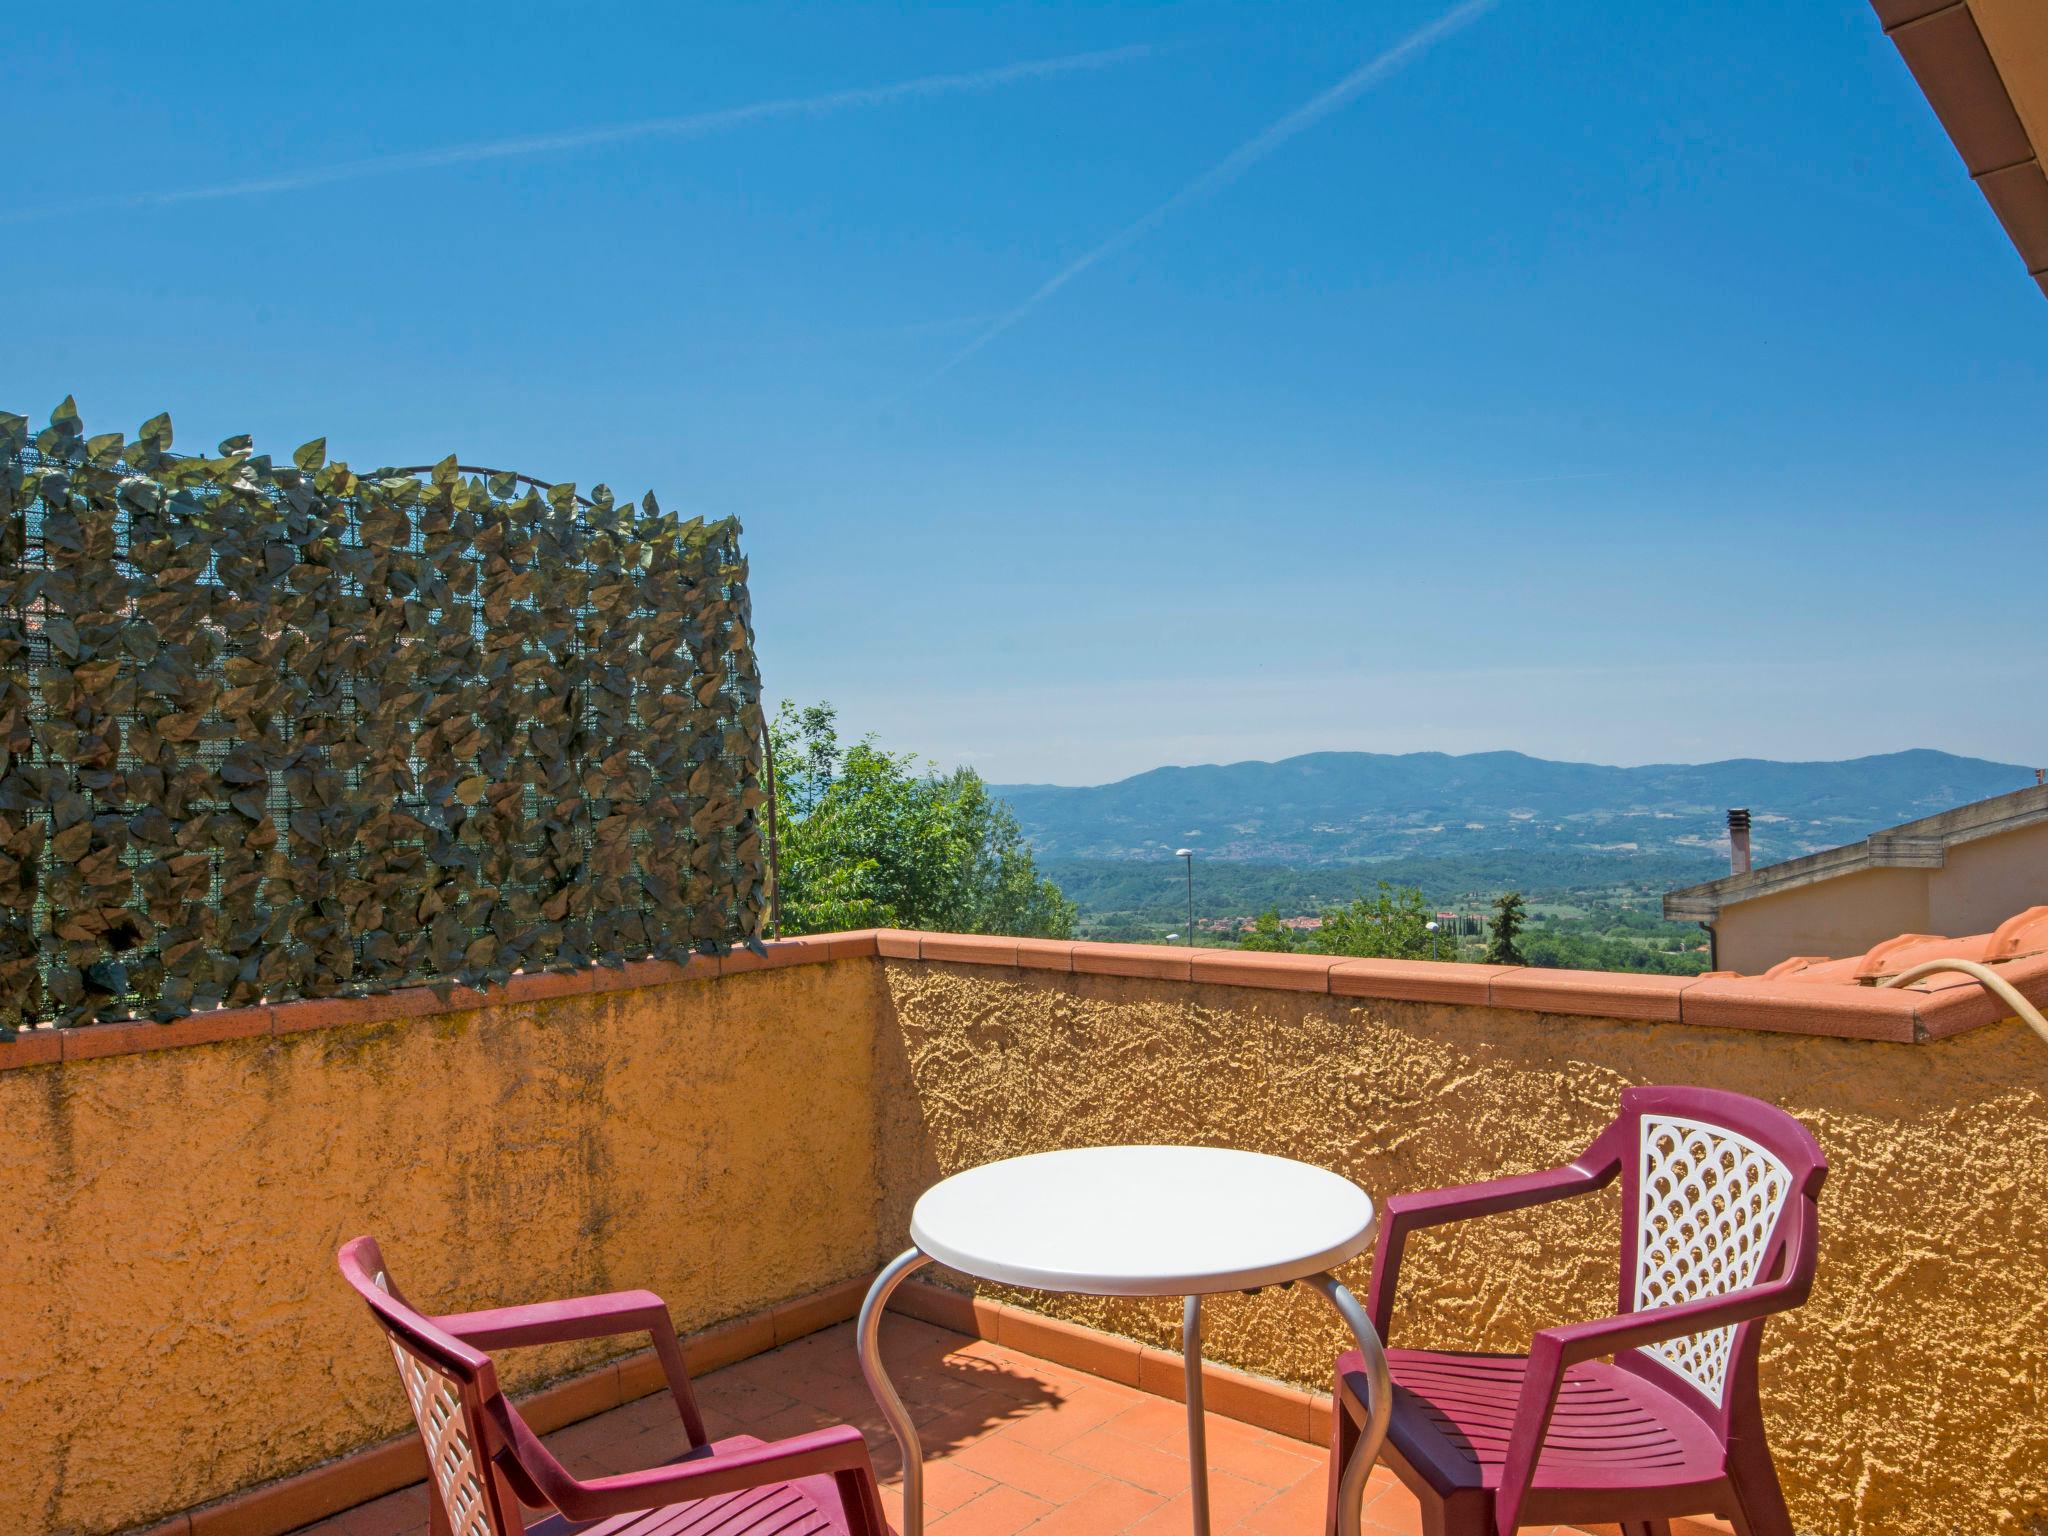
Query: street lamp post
(1189, 855)
(1435, 946)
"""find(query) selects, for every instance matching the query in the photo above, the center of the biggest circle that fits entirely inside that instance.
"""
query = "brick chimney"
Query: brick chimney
(1738, 841)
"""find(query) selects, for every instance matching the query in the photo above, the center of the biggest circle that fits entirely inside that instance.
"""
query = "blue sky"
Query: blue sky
(1614, 382)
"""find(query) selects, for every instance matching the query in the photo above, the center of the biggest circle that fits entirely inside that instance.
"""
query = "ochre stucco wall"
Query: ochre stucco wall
(172, 1327)
(1910, 1395)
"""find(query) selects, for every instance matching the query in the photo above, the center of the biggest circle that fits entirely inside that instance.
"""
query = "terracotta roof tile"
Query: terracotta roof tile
(2024, 933)
(2019, 936)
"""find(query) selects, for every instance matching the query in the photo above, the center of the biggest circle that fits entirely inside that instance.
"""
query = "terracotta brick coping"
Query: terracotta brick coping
(38, 1047)
(1932, 1010)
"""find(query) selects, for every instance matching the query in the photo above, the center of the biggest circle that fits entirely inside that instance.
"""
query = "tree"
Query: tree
(1391, 925)
(1506, 924)
(870, 841)
(1394, 924)
(1266, 934)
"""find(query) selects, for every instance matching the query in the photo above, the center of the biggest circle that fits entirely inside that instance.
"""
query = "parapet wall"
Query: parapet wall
(733, 1134)
(172, 1327)
(1905, 1397)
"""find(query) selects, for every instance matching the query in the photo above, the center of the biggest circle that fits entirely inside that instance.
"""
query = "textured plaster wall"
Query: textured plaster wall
(1909, 1396)
(172, 1327)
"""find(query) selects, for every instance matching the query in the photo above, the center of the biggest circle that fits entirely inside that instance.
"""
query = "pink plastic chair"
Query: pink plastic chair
(1719, 1225)
(484, 1461)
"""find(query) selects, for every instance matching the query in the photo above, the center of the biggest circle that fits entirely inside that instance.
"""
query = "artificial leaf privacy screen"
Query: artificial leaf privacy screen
(274, 731)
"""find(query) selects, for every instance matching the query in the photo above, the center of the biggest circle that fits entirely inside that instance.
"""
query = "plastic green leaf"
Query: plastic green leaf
(525, 675)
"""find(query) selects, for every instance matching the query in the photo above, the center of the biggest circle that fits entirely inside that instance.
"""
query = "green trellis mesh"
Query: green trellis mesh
(273, 731)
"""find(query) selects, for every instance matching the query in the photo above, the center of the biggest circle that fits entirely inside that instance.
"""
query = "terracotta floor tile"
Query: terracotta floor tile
(1231, 1501)
(1107, 1508)
(910, 1343)
(1063, 1377)
(1153, 1470)
(1113, 1388)
(952, 1381)
(958, 1411)
(1298, 1511)
(961, 1427)
(1014, 1446)
(740, 1399)
(1392, 1513)
(786, 1371)
(1379, 1480)
(1269, 1460)
(1024, 1467)
(948, 1485)
(396, 1514)
(834, 1349)
(1258, 1454)
(657, 1410)
(572, 1439)
(1070, 1418)
(796, 1419)
(980, 1349)
(1004, 1377)
(627, 1452)
(634, 1453)
(836, 1395)
(1153, 1421)
(1042, 1372)
(999, 1512)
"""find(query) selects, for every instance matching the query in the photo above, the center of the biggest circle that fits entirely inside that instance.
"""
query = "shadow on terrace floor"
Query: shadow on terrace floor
(1012, 1444)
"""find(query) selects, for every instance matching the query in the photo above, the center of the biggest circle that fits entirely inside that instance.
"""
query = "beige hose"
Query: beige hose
(1993, 983)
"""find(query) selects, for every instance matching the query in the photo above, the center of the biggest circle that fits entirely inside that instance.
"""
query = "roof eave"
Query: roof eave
(1919, 844)
(1964, 78)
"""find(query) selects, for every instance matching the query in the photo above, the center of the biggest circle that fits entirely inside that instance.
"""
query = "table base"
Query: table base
(1351, 1488)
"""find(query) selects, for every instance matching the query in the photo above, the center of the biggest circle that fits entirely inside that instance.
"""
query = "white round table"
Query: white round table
(1142, 1221)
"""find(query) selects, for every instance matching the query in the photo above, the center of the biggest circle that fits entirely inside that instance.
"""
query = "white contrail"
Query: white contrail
(1231, 166)
(690, 125)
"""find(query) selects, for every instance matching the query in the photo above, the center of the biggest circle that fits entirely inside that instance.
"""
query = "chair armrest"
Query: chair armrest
(838, 1450)
(559, 1322)
(1631, 1330)
(1592, 1169)
(587, 1317)
(1555, 1349)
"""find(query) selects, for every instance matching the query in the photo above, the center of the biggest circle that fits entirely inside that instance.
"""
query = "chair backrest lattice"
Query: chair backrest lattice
(448, 1387)
(1709, 1203)
(437, 1408)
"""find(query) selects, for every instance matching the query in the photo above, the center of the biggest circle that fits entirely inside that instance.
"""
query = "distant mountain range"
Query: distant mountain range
(1344, 807)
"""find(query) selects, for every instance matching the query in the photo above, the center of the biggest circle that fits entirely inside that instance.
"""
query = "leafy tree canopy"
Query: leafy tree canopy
(1393, 925)
(872, 839)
